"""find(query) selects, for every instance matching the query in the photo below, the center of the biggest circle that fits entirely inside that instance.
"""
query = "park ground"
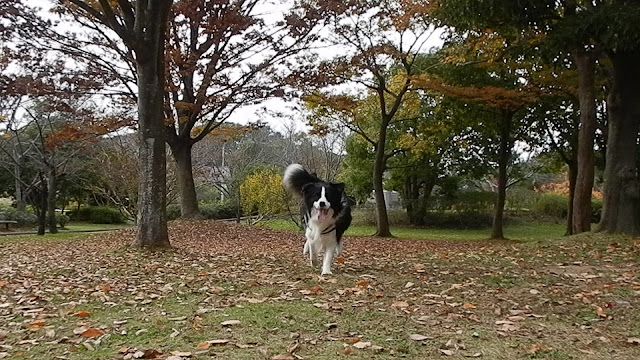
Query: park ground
(231, 291)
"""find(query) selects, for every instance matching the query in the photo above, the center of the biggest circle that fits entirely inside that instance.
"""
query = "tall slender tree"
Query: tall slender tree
(142, 25)
(373, 37)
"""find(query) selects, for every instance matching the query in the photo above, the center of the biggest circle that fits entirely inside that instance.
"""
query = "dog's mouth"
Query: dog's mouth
(322, 214)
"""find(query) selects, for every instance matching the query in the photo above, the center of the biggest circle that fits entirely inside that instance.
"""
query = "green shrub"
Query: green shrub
(596, 210)
(222, 210)
(106, 215)
(552, 205)
(98, 215)
(458, 220)
(173, 211)
(24, 218)
(465, 202)
(81, 214)
(62, 220)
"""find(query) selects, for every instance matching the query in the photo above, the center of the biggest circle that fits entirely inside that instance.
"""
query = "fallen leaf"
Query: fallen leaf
(469, 306)
(600, 312)
(348, 350)
(633, 341)
(181, 353)
(474, 355)
(36, 325)
(447, 352)
(340, 260)
(92, 333)
(203, 345)
(362, 283)
(400, 304)
(230, 322)
(533, 349)
(82, 314)
(362, 345)
(352, 340)
(283, 357)
(418, 337)
(218, 342)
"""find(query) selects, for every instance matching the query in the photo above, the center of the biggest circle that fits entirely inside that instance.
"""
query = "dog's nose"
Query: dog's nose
(322, 204)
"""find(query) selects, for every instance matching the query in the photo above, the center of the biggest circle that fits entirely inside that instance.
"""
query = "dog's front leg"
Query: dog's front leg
(328, 259)
(305, 249)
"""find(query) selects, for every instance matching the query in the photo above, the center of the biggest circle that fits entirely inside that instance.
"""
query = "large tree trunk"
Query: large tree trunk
(42, 214)
(382, 219)
(184, 172)
(573, 174)
(621, 206)
(51, 201)
(504, 154)
(581, 216)
(152, 214)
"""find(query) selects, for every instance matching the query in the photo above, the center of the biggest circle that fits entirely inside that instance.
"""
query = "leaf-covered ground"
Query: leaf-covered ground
(236, 292)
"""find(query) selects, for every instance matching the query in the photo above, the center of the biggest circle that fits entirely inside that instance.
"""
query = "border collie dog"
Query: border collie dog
(326, 214)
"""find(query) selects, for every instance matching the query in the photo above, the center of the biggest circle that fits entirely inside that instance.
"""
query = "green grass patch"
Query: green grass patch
(519, 232)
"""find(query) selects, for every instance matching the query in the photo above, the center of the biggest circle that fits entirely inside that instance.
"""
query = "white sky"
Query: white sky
(253, 113)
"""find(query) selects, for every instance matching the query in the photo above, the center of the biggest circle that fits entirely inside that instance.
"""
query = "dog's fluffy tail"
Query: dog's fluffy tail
(295, 177)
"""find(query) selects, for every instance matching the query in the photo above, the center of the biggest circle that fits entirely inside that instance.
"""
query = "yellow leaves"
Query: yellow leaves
(262, 193)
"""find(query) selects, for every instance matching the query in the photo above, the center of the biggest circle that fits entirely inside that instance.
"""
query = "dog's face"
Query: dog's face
(323, 199)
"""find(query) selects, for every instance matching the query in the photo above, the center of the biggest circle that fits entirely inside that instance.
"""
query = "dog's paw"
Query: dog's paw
(326, 272)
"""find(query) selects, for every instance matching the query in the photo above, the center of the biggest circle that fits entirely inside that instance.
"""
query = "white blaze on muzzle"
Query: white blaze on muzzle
(322, 206)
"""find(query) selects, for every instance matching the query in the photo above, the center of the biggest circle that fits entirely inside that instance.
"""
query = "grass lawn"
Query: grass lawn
(78, 226)
(87, 226)
(520, 232)
(229, 291)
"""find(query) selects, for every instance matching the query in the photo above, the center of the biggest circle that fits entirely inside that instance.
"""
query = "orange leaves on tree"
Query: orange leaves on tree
(490, 96)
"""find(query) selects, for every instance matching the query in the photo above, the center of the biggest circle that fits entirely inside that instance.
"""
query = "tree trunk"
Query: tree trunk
(504, 155)
(152, 213)
(51, 201)
(184, 172)
(581, 216)
(620, 208)
(573, 174)
(42, 215)
(21, 204)
(382, 218)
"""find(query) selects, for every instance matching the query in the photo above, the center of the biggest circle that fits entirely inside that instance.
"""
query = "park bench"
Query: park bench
(7, 222)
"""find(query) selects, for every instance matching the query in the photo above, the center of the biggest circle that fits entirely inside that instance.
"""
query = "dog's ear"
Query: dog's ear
(306, 187)
(338, 186)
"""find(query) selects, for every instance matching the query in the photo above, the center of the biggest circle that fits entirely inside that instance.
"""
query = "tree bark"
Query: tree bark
(382, 218)
(21, 204)
(573, 174)
(42, 215)
(581, 215)
(51, 201)
(504, 154)
(184, 172)
(152, 215)
(621, 207)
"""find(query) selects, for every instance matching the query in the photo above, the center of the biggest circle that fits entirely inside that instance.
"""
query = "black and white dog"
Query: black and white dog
(326, 214)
